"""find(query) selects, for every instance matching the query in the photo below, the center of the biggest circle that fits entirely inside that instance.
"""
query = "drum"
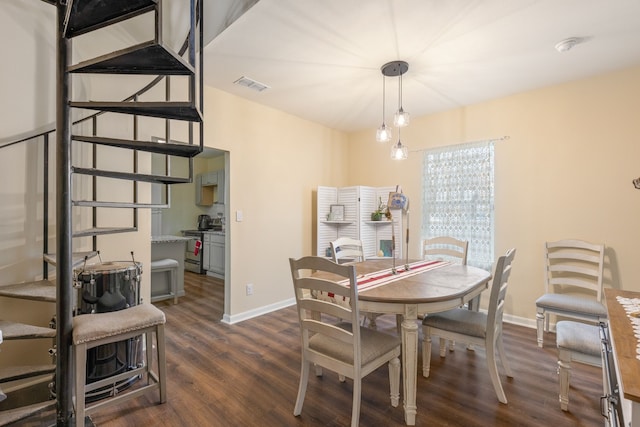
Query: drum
(105, 287)
(108, 286)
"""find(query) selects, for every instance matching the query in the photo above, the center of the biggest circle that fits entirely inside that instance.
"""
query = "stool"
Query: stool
(171, 266)
(92, 330)
(579, 342)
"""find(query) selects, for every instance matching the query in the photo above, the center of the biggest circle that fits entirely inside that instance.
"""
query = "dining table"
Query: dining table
(411, 289)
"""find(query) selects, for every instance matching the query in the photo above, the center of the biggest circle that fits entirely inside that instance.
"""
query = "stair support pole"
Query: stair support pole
(64, 368)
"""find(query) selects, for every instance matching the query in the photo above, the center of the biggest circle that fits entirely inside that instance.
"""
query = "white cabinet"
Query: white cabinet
(359, 202)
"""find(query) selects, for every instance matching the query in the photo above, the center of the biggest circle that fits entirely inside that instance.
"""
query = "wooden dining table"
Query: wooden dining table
(440, 287)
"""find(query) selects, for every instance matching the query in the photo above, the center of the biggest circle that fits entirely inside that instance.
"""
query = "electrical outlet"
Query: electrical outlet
(250, 289)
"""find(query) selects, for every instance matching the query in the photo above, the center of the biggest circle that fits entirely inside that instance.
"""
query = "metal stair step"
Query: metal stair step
(164, 110)
(77, 258)
(14, 373)
(169, 148)
(40, 290)
(145, 58)
(103, 230)
(15, 415)
(89, 15)
(158, 179)
(19, 331)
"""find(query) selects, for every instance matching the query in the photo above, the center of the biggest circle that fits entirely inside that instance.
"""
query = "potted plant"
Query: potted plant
(379, 213)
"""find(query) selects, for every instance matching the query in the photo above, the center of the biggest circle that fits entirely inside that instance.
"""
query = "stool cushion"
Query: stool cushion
(578, 337)
(91, 327)
(164, 263)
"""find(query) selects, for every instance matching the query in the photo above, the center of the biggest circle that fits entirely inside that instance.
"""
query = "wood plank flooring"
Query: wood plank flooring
(247, 375)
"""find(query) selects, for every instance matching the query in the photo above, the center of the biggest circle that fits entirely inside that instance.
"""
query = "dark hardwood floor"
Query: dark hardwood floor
(247, 375)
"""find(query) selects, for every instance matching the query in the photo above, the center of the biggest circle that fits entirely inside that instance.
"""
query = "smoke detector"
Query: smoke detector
(568, 44)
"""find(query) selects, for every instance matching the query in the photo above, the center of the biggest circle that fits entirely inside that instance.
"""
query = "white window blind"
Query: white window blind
(458, 197)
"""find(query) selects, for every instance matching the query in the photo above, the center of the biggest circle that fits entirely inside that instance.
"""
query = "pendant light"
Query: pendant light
(383, 134)
(401, 118)
(399, 151)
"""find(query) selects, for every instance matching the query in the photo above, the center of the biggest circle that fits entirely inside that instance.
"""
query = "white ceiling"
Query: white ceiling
(321, 58)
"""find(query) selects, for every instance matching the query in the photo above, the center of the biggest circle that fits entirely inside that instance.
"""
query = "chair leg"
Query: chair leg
(503, 357)
(493, 372)
(80, 351)
(443, 347)
(162, 363)
(540, 327)
(302, 387)
(426, 351)
(394, 381)
(564, 374)
(355, 409)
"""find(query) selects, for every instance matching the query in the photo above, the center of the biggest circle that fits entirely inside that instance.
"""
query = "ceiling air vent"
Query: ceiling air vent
(251, 84)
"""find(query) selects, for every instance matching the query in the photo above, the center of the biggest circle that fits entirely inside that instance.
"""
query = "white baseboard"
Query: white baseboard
(236, 318)
(516, 320)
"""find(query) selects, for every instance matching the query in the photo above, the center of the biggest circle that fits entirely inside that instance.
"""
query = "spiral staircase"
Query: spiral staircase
(150, 58)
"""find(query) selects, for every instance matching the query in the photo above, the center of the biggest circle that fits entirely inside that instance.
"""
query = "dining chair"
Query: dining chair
(445, 248)
(573, 284)
(474, 327)
(346, 248)
(342, 346)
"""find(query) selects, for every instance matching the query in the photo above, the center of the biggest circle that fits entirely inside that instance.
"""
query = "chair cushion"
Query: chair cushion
(572, 303)
(91, 327)
(373, 344)
(578, 337)
(460, 320)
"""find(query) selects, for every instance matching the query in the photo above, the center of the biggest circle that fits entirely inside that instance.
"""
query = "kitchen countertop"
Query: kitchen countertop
(168, 239)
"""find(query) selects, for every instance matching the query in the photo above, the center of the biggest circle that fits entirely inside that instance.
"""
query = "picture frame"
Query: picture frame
(336, 212)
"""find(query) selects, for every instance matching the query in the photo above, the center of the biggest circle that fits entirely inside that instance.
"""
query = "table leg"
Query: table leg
(410, 363)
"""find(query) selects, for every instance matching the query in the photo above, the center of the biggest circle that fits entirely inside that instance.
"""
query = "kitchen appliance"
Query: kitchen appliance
(204, 222)
(193, 257)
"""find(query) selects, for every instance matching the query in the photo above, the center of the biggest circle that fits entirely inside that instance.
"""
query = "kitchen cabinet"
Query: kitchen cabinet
(213, 254)
(206, 251)
(359, 202)
(210, 178)
(209, 188)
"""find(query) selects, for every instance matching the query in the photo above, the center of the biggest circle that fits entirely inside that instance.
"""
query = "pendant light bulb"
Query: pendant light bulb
(383, 134)
(401, 118)
(398, 150)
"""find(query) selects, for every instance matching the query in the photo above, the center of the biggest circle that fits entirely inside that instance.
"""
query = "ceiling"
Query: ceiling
(321, 59)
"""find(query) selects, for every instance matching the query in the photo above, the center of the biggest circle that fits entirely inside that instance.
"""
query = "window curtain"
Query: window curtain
(458, 197)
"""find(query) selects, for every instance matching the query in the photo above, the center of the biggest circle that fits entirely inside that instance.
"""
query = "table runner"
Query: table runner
(631, 306)
(383, 277)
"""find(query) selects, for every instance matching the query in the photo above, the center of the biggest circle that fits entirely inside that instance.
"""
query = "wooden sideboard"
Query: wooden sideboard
(627, 364)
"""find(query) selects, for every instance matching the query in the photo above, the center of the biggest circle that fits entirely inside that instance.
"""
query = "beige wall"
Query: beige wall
(276, 161)
(565, 172)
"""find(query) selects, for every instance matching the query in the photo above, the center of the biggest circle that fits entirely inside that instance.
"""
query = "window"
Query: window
(458, 197)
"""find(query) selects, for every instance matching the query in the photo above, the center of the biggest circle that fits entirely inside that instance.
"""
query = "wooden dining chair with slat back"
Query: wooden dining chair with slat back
(573, 284)
(346, 249)
(342, 346)
(473, 327)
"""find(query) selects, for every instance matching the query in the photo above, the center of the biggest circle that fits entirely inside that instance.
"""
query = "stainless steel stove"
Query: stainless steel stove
(193, 261)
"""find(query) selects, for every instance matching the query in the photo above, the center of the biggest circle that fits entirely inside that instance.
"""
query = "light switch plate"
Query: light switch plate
(239, 216)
